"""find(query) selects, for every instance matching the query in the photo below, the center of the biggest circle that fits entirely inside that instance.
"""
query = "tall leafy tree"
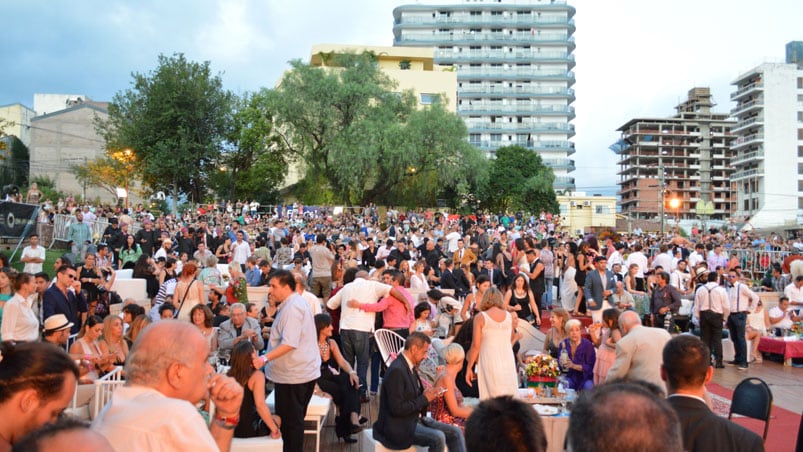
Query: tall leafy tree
(14, 163)
(174, 119)
(518, 180)
(255, 163)
(362, 141)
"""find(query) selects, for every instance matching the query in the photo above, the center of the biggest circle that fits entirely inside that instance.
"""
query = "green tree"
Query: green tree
(361, 141)
(518, 180)
(14, 163)
(174, 119)
(256, 163)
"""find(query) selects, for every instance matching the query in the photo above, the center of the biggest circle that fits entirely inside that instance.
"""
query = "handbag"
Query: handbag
(182, 299)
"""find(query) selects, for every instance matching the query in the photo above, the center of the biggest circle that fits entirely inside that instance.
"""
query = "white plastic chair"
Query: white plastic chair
(104, 388)
(389, 343)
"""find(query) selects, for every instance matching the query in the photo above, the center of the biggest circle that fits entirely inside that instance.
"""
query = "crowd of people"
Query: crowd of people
(460, 290)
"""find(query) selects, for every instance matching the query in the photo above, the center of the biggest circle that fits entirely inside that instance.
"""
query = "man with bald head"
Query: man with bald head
(356, 325)
(167, 373)
(638, 353)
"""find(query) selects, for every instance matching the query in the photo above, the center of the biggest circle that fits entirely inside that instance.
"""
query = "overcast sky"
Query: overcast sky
(635, 58)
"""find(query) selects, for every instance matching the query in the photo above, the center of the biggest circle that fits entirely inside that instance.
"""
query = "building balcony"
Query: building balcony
(521, 91)
(514, 74)
(563, 183)
(496, 109)
(745, 107)
(467, 20)
(747, 140)
(541, 147)
(755, 121)
(511, 127)
(500, 56)
(466, 37)
(747, 157)
(560, 164)
(746, 174)
(747, 89)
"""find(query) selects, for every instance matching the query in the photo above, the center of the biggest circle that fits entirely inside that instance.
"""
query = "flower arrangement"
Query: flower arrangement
(542, 366)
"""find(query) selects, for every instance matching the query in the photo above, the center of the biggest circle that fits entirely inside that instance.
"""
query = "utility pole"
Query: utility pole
(662, 187)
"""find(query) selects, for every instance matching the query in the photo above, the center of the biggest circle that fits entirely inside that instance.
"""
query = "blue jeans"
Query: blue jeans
(436, 436)
(546, 299)
(356, 344)
(737, 323)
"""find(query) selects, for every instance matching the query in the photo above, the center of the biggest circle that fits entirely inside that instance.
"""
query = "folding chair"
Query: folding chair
(752, 398)
(390, 344)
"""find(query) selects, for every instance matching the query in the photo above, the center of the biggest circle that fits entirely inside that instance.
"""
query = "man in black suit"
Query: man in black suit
(493, 273)
(64, 297)
(403, 403)
(447, 276)
(686, 370)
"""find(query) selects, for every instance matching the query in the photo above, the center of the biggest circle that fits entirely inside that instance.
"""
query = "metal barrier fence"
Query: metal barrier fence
(753, 262)
(61, 225)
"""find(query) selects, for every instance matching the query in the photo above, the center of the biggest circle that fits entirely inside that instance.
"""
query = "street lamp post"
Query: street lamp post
(126, 157)
(675, 203)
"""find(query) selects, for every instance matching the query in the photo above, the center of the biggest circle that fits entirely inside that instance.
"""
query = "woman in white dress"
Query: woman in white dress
(568, 286)
(491, 349)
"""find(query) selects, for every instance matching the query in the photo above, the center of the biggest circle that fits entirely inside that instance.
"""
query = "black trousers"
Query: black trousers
(291, 406)
(711, 333)
(343, 393)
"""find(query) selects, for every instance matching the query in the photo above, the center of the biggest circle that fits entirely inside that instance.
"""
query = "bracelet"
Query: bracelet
(264, 359)
(228, 423)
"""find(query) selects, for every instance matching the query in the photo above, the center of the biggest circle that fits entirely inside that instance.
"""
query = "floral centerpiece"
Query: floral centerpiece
(542, 370)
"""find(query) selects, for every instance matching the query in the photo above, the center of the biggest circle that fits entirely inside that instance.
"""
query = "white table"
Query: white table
(317, 410)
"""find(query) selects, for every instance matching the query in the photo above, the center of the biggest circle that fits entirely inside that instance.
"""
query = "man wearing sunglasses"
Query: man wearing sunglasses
(59, 299)
(742, 302)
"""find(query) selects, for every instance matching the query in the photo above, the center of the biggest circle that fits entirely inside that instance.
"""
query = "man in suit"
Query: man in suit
(599, 289)
(240, 328)
(638, 353)
(686, 370)
(493, 274)
(447, 276)
(64, 297)
(403, 403)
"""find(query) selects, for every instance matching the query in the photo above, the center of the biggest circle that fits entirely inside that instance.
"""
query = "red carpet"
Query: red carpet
(782, 434)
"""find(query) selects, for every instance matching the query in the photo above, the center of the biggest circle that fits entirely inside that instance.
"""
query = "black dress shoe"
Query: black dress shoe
(719, 366)
(363, 420)
(348, 439)
(733, 363)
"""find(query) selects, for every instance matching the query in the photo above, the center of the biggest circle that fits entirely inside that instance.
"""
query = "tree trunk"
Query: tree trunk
(175, 198)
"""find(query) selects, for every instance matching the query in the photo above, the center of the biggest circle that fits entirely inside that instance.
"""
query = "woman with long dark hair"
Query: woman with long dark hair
(130, 253)
(255, 417)
(339, 380)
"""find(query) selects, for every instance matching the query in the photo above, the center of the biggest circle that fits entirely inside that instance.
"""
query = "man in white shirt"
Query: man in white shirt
(322, 259)
(781, 316)
(663, 259)
(794, 291)
(711, 306)
(638, 258)
(697, 256)
(357, 326)
(166, 374)
(33, 255)
(451, 239)
(301, 289)
(240, 250)
(742, 302)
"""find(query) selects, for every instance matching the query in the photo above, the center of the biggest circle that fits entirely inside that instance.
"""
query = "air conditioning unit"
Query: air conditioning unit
(572, 204)
(587, 203)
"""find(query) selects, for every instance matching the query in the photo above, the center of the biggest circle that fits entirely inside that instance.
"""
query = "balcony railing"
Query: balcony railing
(502, 72)
(534, 91)
(467, 20)
(500, 55)
(746, 174)
(747, 88)
(544, 146)
(747, 139)
(467, 36)
(513, 108)
(746, 106)
(521, 127)
(741, 159)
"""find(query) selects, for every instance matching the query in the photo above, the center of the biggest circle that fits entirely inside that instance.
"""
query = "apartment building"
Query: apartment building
(685, 157)
(514, 61)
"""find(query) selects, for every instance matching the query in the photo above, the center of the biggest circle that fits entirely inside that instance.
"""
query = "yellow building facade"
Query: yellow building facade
(413, 68)
(581, 213)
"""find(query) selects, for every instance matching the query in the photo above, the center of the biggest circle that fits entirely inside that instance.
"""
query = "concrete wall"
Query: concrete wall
(67, 138)
(19, 117)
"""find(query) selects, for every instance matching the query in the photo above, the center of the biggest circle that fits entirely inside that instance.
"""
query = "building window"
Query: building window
(800, 151)
(800, 203)
(427, 98)
(800, 185)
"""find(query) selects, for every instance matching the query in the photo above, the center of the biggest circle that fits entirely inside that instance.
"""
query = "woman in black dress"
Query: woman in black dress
(339, 380)
(255, 417)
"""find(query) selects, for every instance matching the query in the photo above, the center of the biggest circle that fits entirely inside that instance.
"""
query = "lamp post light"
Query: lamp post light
(675, 203)
(126, 157)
